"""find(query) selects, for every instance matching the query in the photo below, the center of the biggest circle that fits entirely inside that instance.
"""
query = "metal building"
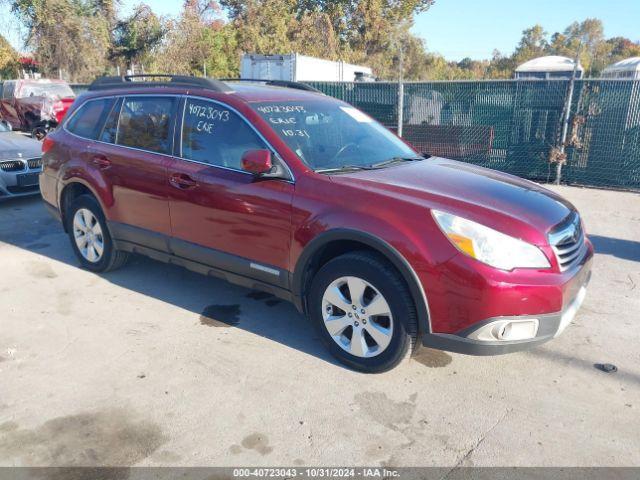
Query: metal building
(550, 67)
(627, 68)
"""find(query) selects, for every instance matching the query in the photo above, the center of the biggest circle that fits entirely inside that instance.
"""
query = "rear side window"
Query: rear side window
(7, 89)
(87, 121)
(145, 123)
(214, 134)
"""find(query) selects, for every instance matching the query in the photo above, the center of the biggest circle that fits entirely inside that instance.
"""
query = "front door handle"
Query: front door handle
(182, 181)
(101, 161)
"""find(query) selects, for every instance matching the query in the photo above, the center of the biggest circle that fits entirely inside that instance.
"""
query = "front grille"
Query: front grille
(17, 190)
(568, 242)
(12, 166)
(35, 163)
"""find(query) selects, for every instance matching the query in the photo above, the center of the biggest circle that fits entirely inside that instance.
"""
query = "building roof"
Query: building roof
(627, 65)
(551, 63)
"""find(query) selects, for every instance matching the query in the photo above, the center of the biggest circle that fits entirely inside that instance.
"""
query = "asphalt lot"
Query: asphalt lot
(155, 365)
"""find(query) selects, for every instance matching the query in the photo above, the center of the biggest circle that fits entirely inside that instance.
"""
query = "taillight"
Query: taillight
(47, 144)
(59, 110)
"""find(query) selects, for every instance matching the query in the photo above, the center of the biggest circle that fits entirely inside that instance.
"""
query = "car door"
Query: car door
(133, 152)
(221, 215)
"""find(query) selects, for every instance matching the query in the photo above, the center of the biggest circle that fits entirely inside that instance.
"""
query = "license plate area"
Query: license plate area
(27, 179)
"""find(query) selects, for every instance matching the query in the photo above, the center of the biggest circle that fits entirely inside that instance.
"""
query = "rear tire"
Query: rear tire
(90, 237)
(376, 329)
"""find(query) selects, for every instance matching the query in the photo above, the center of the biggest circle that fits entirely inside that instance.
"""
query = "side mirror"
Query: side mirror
(257, 162)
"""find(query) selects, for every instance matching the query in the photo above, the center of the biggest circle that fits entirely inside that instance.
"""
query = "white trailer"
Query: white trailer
(294, 67)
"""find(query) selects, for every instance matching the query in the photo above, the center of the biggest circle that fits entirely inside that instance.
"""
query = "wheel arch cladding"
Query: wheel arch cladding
(333, 243)
(69, 193)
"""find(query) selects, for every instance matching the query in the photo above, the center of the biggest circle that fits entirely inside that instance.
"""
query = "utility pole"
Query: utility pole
(567, 116)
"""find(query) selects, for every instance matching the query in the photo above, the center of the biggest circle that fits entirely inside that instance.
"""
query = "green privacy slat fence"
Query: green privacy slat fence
(514, 125)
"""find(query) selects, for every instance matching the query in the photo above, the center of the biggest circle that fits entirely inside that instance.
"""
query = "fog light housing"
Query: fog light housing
(507, 330)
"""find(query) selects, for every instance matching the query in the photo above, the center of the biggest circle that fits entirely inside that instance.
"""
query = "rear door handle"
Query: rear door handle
(182, 181)
(101, 161)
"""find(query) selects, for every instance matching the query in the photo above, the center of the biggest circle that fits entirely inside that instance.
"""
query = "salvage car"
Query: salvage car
(35, 105)
(277, 187)
(20, 163)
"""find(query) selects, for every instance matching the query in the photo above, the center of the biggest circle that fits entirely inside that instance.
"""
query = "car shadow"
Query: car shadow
(624, 249)
(214, 303)
(563, 360)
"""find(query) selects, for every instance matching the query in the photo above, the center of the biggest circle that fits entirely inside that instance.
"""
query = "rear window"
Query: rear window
(37, 89)
(145, 123)
(88, 120)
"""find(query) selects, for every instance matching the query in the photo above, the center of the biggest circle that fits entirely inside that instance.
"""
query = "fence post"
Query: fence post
(400, 92)
(400, 107)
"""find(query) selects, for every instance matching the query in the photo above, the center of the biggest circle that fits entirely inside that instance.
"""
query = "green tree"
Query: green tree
(359, 31)
(9, 66)
(199, 40)
(67, 36)
(587, 37)
(136, 37)
(532, 44)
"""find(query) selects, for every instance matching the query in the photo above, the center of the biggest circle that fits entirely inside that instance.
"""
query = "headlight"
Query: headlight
(488, 245)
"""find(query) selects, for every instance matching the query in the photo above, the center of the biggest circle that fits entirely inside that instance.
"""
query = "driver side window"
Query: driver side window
(214, 134)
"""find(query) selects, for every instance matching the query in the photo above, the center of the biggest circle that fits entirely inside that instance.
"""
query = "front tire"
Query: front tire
(363, 312)
(39, 132)
(90, 237)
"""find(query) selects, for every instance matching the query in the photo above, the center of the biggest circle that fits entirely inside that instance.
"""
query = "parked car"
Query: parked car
(35, 105)
(301, 195)
(20, 163)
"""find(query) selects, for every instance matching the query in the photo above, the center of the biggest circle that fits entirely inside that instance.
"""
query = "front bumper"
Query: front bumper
(9, 187)
(549, 325)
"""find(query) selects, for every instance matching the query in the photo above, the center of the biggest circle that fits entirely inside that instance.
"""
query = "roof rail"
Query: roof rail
(276, 83)
(128, 81)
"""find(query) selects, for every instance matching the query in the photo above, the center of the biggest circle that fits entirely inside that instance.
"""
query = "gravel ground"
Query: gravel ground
(155, 365)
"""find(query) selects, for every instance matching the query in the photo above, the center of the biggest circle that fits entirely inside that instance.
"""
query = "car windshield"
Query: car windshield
(330, 136)
(61, 90)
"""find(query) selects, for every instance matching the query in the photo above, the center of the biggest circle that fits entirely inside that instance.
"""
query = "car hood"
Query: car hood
(496, 199)
(14, 145)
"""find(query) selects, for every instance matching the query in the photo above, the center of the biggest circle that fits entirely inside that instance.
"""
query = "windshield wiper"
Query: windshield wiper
(373, 166)
(345, 168)
(394, 160)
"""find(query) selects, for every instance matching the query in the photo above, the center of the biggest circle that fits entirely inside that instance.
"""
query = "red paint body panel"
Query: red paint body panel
(468, 292)
(272, 221)
(136, 185)
(231, 212)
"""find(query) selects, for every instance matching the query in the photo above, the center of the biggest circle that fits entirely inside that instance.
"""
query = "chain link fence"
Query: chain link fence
(515, 126)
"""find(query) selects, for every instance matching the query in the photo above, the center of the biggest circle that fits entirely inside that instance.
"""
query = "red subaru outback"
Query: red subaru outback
(298, 194)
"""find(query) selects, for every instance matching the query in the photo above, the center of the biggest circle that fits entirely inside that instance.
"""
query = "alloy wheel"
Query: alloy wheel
(357, 316)
(88, 236)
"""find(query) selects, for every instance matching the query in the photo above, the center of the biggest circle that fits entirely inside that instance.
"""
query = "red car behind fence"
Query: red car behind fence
(34, 105)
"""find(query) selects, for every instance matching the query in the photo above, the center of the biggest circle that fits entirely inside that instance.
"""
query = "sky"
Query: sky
(465, 28)
(474, 28)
